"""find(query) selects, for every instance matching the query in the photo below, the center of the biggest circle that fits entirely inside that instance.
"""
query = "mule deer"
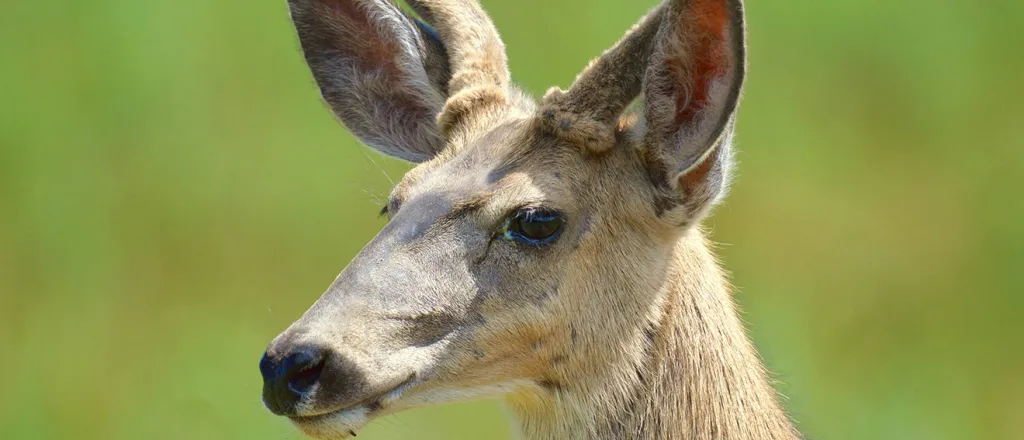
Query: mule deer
(548, 253)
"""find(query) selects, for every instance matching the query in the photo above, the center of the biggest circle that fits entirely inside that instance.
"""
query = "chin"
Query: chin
(336, 425)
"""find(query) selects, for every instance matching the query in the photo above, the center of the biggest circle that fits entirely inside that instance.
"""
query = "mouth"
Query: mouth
(344, 422)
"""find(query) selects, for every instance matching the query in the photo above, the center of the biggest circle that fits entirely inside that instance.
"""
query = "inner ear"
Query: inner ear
(691, 90)
(703, 64)
(376, 71)
(695, 75)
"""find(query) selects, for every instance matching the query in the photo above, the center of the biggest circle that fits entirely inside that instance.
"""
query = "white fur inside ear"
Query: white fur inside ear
(703, 136)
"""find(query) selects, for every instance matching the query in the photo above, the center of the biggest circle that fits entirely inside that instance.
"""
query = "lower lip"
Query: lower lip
(346, 420)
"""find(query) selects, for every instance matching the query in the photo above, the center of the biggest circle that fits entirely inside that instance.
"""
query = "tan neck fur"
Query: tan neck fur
(698, 377)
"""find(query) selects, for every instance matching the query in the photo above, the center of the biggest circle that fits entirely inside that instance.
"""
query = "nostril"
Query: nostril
(302, 380)
(288, 377)
(302, 369)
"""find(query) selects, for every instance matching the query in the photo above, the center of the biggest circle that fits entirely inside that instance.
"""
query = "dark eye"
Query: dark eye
(533, 226)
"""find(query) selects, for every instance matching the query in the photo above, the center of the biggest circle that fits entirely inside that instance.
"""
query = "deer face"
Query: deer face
(527, 241)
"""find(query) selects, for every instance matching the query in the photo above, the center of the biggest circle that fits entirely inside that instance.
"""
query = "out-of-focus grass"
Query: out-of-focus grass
(172, 194)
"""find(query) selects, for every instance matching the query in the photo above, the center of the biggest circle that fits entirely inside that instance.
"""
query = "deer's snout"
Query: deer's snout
(289, 374)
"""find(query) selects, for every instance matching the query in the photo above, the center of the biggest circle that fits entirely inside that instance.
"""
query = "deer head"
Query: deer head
(525, 249)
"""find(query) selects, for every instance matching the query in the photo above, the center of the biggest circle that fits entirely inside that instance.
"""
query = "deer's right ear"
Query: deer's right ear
(382, 73)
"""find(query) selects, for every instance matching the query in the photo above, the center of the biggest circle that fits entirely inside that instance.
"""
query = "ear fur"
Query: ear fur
(381, 76)
(587, 113)
(691, 89)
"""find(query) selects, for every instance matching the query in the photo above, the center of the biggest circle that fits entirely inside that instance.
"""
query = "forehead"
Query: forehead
(511, 160)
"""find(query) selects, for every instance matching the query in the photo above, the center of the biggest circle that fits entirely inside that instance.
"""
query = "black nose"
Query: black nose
(289, 376)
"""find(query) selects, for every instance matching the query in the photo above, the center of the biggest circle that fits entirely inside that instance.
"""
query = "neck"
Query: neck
(693, 374)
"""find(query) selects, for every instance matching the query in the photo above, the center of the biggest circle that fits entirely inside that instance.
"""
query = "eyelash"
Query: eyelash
(529, 214)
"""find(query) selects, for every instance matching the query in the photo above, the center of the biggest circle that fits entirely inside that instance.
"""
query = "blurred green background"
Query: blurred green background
(173, 194)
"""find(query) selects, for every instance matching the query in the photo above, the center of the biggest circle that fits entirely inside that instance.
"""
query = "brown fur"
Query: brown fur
(622, 328)
(686, 372)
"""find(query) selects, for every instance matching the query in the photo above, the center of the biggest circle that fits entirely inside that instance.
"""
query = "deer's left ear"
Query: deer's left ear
(691, 90)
